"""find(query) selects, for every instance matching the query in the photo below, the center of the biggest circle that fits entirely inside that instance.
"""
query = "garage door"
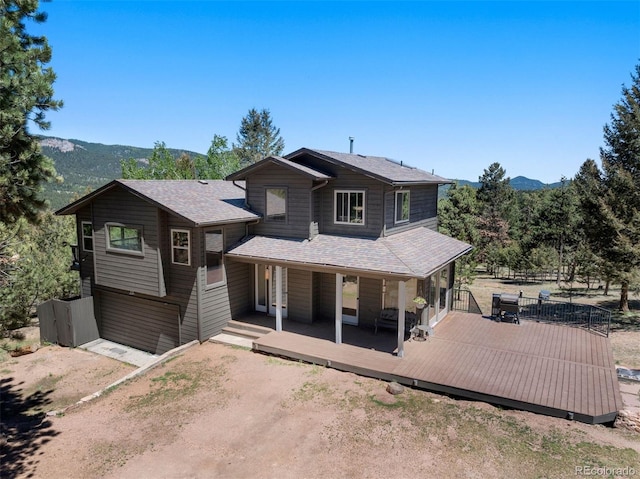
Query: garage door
(140, 323)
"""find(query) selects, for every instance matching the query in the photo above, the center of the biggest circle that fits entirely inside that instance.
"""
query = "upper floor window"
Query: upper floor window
(87, 236)
(276, 204)
(214, 248)
(181, 247)
(349, 207)
(126, 238)
(402, 206)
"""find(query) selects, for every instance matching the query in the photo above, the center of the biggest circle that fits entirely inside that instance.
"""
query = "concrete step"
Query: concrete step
(232, 340)
(242, 333)
(262, 330)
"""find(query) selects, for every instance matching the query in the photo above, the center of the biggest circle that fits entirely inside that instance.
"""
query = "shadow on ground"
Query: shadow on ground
(23, 430)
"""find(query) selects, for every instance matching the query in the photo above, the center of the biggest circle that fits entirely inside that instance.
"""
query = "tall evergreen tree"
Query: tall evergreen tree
(257, 138)
(621, 179)
(495, 196)
(26, 94)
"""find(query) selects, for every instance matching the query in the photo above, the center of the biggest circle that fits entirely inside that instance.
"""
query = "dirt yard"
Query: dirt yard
(220, 411)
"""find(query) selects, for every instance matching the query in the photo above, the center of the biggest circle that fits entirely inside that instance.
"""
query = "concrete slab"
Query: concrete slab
(123, 353)
(223, 338)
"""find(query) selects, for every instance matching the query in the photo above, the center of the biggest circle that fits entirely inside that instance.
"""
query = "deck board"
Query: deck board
(540, 367)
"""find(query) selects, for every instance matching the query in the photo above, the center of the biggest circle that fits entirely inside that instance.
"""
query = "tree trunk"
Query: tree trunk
(624, 297)
(606, 288)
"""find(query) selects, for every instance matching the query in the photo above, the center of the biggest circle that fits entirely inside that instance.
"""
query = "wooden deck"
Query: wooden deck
(549, 369)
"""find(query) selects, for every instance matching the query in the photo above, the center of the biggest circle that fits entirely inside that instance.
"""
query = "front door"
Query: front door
(265, 279)
(350, 299)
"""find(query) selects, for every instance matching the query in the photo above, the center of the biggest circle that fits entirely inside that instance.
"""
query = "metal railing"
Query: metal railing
(587, 316)
(463, 300)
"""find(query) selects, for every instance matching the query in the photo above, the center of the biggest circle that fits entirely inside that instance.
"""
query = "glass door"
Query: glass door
(350, 300)
(443, 306)
(262, 286)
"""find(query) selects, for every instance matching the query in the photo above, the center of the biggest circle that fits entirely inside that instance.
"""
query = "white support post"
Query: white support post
(402, 299)
(278, 298)
(339, 308)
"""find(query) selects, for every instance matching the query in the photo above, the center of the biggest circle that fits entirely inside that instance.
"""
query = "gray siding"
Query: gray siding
(370, 300)
(374, 205)
(181, 280)
(300, 295)
(216, 302)
(150, 325)
(423, 208)
(140, 274)
(298, 210)
(86, 257)
(326, 292)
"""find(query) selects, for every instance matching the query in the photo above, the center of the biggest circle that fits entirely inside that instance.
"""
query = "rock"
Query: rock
(34, 347)
(395, 388)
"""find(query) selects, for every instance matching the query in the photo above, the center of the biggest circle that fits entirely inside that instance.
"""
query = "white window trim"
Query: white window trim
(335, 207)
(223, 281)
(115, 249)
(82, 224)
(187, 248)
(286, 204)
(395, 212)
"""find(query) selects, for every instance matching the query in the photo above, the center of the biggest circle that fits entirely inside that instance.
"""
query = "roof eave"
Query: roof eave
(319, 267)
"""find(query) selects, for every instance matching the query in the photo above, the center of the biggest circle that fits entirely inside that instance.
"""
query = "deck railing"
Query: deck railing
(463, 300)
(587, 316)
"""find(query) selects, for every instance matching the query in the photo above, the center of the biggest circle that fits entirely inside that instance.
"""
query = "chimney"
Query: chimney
(351, 138)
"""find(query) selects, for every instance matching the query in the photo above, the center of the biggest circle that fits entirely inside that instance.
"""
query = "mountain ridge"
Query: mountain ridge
(86, 165)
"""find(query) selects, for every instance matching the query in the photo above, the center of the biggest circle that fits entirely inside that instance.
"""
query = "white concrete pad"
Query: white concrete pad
(224, 338)
(120, 352)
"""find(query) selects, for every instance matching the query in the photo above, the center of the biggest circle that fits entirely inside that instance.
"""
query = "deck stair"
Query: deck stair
(240, 334)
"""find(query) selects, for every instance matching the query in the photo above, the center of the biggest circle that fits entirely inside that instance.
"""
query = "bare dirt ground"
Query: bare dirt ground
(225, 412)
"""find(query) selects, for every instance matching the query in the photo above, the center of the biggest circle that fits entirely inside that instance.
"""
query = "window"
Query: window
(180, 247)
(87, 236)
(214, 247)
(124, 238)
(349, 207)
(276, 204)
(402, 206)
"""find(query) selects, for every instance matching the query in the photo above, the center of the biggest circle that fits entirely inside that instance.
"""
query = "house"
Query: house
(314, 235)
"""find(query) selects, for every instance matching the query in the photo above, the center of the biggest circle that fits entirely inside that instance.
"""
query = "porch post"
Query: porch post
(278, 298)
(338, 308)
(402, 299)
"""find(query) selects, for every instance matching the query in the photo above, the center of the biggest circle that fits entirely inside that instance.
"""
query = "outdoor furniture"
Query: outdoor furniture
(388, 318)
(509, 308)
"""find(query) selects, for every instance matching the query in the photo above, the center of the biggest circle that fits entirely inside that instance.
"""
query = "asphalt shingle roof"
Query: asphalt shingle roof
(382, 168)
(306, 170)
(200, 202)
(415, 253)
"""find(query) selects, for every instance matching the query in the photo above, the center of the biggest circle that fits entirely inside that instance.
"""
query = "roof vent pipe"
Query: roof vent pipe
(351, 138)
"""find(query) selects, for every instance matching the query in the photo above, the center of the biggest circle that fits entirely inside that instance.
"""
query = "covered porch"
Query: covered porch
(349, 281)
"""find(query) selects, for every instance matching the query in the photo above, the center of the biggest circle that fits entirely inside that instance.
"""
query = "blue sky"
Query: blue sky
(444, 86)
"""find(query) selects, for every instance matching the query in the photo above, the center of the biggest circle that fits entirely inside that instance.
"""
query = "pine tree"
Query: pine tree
(257, 138)
(26, 94)
(621, 180)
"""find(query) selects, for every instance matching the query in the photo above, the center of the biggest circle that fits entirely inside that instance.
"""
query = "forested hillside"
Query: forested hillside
(85, 165)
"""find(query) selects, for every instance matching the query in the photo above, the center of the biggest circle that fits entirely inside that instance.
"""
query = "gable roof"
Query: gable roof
(416, 253)
(200, 202)
(304, 170)
(378, 167)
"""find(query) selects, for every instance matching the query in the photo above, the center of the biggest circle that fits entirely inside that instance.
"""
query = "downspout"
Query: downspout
(311, 205)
